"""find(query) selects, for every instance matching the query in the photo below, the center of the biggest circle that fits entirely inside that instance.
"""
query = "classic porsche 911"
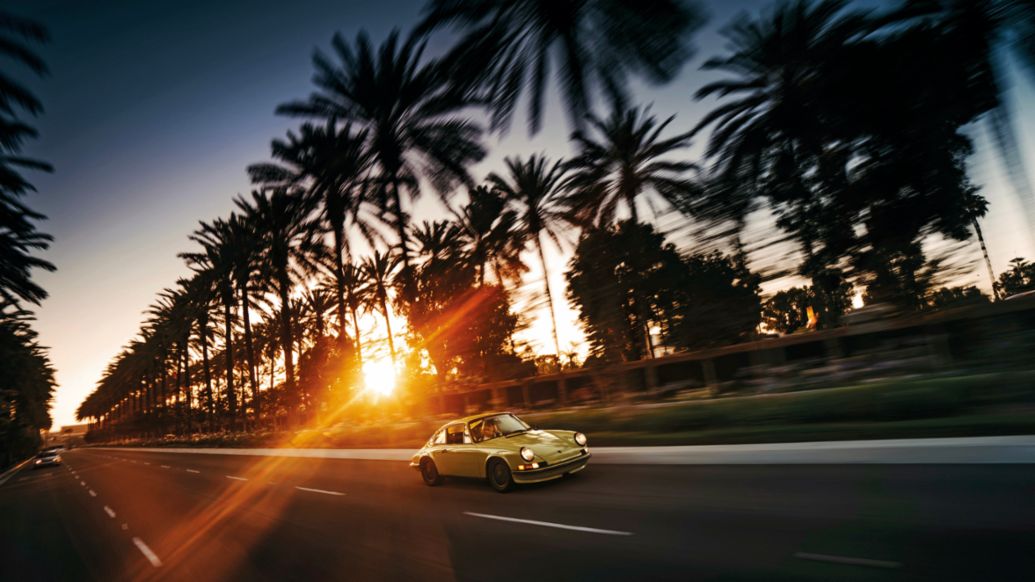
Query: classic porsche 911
(502, 449)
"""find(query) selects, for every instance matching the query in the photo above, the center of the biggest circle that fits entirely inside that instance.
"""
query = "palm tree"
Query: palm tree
(217, 262)
(509, 46)
(198, 294)
(283, 227)
(979, 32)
(772, 122)
(17, 221)
(243, 242)
(378, 270)
(535, 188)
(409, 109)
(352, 281)
(331, 163)
(491, 229)
(624, 160)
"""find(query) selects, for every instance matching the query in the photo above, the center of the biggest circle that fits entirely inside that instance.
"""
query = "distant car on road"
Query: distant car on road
(501, 448)
(47, 459)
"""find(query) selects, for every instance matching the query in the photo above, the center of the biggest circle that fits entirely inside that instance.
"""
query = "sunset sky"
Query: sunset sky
(154, 109)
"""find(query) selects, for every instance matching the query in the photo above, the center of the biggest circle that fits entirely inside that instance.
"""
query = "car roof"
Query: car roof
(468, 419)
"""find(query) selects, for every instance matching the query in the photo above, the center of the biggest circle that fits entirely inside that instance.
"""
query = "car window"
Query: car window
(456, 434)
(439, 438)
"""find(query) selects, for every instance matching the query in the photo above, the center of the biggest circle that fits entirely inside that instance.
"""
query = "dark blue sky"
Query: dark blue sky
(154, 108)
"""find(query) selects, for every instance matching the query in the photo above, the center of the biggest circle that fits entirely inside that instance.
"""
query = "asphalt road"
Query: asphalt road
(130, 515)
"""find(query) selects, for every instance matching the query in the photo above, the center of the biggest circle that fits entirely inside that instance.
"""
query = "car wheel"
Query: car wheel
(499, 475)
(429, 472)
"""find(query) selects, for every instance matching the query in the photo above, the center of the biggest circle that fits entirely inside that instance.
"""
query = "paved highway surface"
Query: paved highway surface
(120, 514)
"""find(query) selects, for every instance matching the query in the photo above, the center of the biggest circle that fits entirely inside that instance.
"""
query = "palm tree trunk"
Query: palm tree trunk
(388, 326)
(205, 368)
(187, 395)
(404, 240)
(228, 345)
(249, 350)
(355, 325)
(286, 339)
(549, 298)
(988, 261)
(339, 280)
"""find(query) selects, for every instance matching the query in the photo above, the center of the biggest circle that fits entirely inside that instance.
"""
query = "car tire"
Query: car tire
(429, 473)
(499, 476)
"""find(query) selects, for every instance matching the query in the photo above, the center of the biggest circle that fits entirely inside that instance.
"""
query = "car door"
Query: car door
(470, 457)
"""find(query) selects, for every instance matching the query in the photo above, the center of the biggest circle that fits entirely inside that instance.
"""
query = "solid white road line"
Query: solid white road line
(848, 560)
(110, 513)
(151, 557)
(324, 491)
(193, 471)
(93, 493)
(235, 478)
(609, 532)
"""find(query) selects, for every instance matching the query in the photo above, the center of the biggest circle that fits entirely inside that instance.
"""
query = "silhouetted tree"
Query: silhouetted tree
(623, 158)
(593, 47)
(536, 189)
(957, 297)
(410, 110)
(1019, 278)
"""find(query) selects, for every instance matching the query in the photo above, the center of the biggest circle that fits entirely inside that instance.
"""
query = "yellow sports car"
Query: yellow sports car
(501, 448)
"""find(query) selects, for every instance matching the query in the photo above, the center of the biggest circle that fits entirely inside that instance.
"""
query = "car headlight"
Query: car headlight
(580, 439)
(527, 454)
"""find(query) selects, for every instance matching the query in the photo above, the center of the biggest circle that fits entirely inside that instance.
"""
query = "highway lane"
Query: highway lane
(130, 515)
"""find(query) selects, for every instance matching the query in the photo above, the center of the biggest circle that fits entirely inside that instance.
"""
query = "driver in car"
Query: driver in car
(490, 429)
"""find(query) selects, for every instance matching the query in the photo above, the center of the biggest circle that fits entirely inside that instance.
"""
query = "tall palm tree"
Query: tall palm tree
(283, 225)
(379, 270)
(331, 163)
(624, 160)
(594, 46)
(217, 261)
(980, 34)
(491, 229)
(244, 244)
(353, 281)
(199, 292)
(536, 188)
(410, 110)
(772, 122)
(18, 235)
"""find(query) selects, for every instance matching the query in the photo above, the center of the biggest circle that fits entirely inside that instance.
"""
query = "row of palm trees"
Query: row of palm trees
(385, 124)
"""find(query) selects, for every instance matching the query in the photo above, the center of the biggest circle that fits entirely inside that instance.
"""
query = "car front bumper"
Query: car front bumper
(552, 471)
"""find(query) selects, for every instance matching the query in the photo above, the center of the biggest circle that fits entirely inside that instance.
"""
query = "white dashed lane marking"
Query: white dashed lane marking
(848, 560)
(324, 491)
(110, 513)
(93, 493)
(235, 478)
(193, 471)
(151, 557)
(609, 532)
(166, 467)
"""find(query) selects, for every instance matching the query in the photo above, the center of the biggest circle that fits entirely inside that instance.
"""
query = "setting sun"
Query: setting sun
(379, 376)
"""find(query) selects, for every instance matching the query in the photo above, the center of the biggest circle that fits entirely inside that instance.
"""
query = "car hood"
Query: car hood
(550, 445)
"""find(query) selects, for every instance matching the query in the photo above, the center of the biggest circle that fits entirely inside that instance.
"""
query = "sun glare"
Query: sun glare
(379, 377)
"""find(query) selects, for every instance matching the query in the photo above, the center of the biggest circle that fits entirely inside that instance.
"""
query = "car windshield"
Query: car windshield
(495, 426)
